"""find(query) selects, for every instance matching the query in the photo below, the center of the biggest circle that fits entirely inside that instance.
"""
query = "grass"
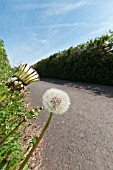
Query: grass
(10, 111)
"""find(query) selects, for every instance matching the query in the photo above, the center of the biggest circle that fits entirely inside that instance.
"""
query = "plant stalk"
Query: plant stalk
(18, 161)
(36, 143)
(2, 99)
(5, 96)
(11, 132)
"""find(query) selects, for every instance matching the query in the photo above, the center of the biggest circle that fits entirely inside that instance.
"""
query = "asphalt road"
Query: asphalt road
(82, 138)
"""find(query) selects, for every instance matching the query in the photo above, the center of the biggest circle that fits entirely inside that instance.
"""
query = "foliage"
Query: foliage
(14, 113)
(5, 69)
(9, 112)
(90, 62)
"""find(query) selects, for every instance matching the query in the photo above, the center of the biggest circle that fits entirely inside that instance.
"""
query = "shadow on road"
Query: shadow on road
(96, 89)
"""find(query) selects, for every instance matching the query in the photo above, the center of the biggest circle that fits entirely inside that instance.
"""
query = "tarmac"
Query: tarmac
(82, 138)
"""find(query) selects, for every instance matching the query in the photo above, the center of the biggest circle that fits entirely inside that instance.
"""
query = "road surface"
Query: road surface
(82, 138)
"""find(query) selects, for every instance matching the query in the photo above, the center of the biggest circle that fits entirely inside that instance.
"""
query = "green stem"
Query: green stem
(3, 98)
(14, 121)
(4, 152)
(18, 161)
(36, 143)
(11, 132)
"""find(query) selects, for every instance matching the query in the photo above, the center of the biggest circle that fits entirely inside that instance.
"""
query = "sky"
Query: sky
(35, 29)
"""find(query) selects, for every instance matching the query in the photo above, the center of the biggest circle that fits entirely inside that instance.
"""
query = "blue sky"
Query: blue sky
(34, 29)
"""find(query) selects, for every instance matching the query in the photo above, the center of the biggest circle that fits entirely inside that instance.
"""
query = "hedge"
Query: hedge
(91, 62)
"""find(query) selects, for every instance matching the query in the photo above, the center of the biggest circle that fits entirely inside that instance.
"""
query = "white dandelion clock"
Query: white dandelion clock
(56, 101)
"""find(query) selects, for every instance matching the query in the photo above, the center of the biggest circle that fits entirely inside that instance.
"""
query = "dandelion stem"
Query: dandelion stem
(5, 96)
(11, 132)
(18, 161)
(36, 143)
(14, 121)
(2, 99)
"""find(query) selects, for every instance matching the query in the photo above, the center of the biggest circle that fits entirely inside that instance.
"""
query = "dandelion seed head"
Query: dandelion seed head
(56, 101)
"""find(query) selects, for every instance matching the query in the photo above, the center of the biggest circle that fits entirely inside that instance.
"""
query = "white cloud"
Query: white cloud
(39, 41)
(98, 31)
(45, 42)
(65, 7)
(103, 27)
(60, 25)
(31, 6)
(53, 8)
(34, 35)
